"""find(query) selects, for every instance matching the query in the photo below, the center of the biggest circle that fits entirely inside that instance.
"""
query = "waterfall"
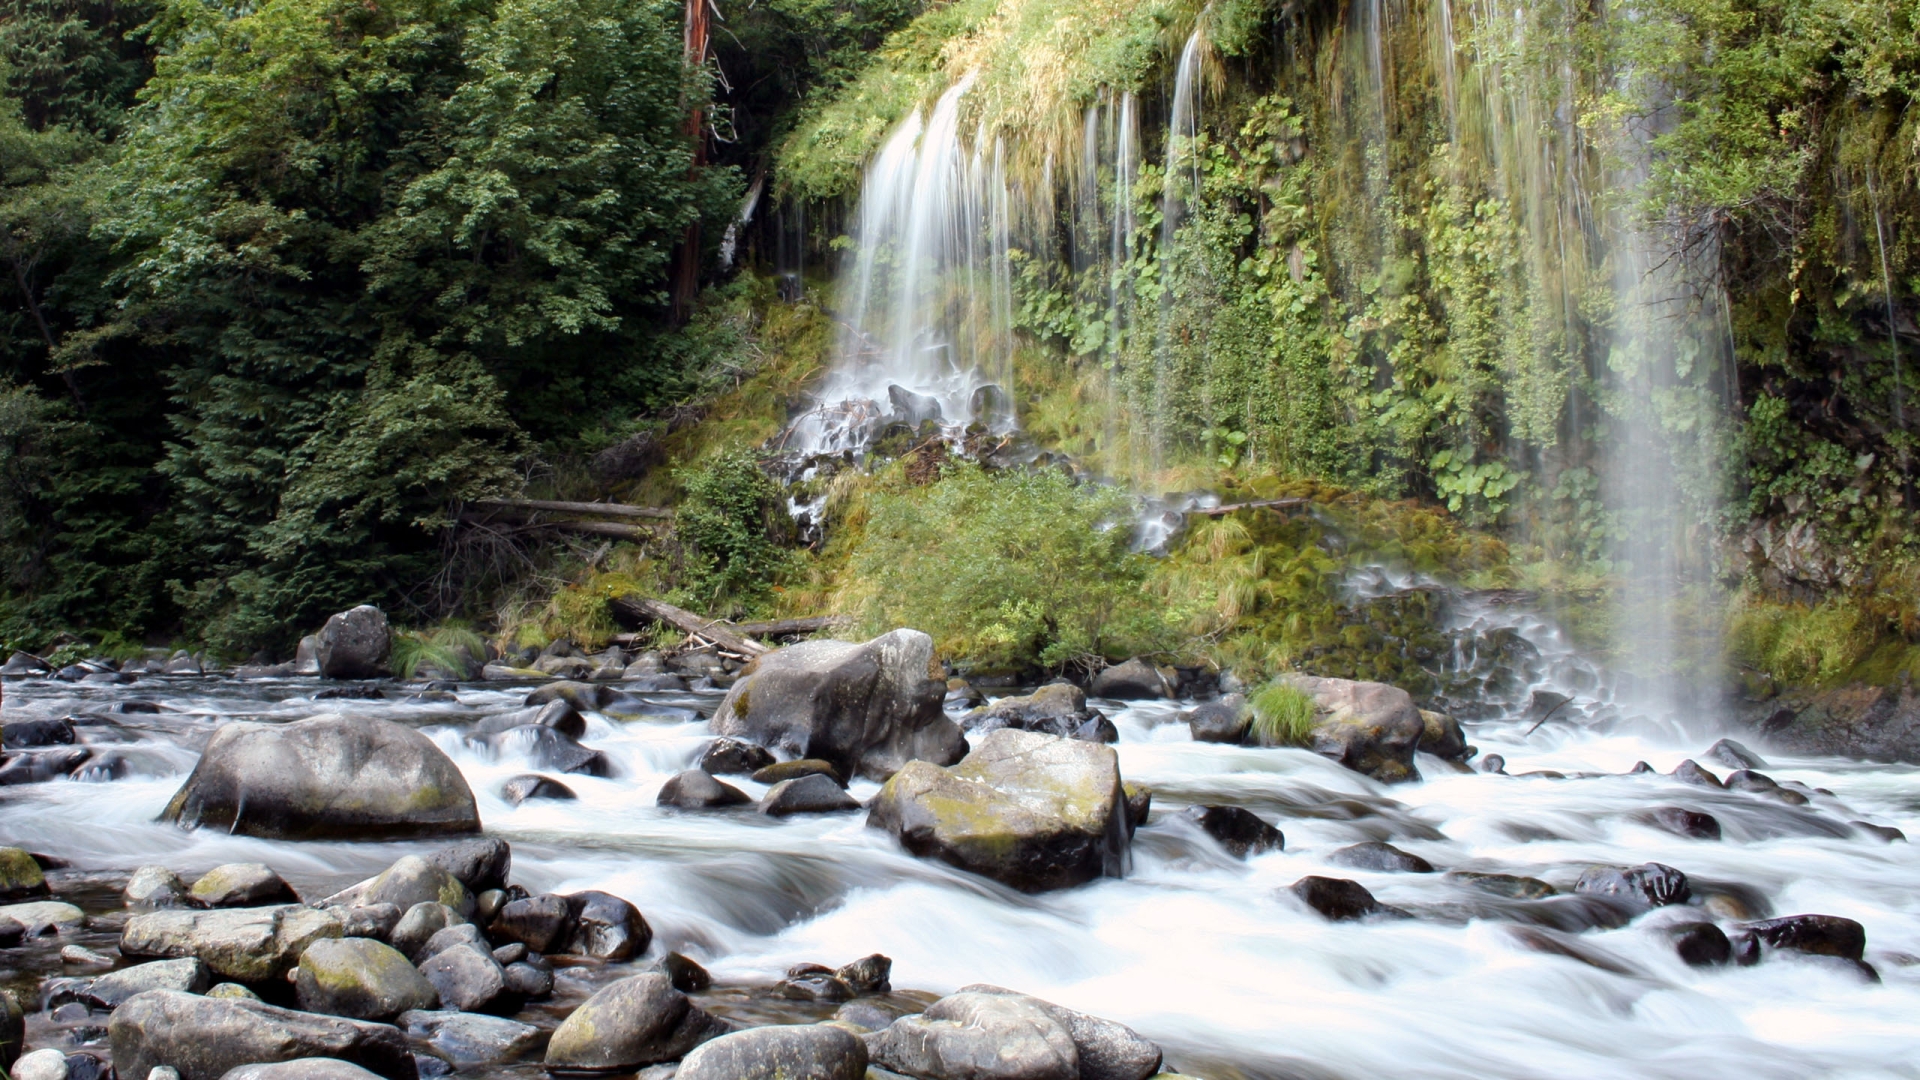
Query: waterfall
(928, 305)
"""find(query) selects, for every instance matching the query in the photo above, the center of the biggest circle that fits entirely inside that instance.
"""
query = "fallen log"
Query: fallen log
(594, 528)
(1259, 504)
(589, 508)
(718, 631)
(776, 628)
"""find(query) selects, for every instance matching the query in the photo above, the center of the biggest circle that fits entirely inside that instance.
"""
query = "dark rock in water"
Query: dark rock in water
(330, 777)
(470, 980)
(910, 408)
(584, 696)
(1055, 709)
(529, 980)
(639, 1020)
(1236, 829)
(1139, 805)
(1441, 736)
(534, 786)
(24, 733)
(606, 927)
(696, 789)
(1886, 834)
(419, 925)
(731, 757)
(1223, 721)
(1493, 763)
(869, 974)
(1374, 855)
(549, 749)
(479, 864)
(978, 1036)
(1647, 886)
(40, 766)
(1700, 944)
(869, 1016)
(511, 953)
(794, 770)
(1734, 756)
(1029, 810)
(1339, 899)
(1508, 885)
(1543, 940)
(431, 1067)
(241, 885)
(134, 707)
(22, 664)
(561, 716)
(813, 986)
(1134, 680)
(785, 1052)
(686, 975)
(13, 1029)
(1819, 935)
(471, 1040)
(20, 875)
(1680, 821)
(815, 793)
(1750, 781)
(89, 1067)
(541, 923)
(360, 979)
(350, 693)
(1690, 772)
(866, 708)
(990, 403)
(1369, 727)
(354, 644)
(204, 1037)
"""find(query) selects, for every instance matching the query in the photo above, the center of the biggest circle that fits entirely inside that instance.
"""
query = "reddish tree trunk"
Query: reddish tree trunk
(686, 264)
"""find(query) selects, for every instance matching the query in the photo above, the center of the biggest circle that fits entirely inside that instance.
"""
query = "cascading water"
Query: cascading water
(927, 329)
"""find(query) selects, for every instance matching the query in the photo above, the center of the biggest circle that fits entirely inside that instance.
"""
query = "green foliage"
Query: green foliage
(1010, 571)
(73, 63)
(728, 519)
(452, 648)
(1282, 714)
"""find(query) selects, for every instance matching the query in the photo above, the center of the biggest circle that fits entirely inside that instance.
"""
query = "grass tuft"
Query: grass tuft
(1282, 715)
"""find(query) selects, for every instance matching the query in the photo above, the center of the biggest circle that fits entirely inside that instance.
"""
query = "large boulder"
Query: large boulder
(868, 708)
(1107, 1050)
(354, 644)
(979, 1036)
(330, 777)
(1369, 727)
(1134, 680)
(639, 1020)
(360, 978)
(1033, 811)
(203, 1037)
(783, 1052)
(243, 944)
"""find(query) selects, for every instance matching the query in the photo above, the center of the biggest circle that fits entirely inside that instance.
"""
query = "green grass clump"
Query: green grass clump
(1282, 715)
(452, 648)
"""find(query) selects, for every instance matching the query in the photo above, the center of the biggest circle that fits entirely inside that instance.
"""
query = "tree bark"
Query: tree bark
(686, 264)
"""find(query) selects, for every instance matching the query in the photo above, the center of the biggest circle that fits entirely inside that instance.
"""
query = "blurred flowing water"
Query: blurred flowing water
(1202, 952)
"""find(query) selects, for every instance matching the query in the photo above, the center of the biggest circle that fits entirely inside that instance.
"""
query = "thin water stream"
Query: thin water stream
(1202, 952)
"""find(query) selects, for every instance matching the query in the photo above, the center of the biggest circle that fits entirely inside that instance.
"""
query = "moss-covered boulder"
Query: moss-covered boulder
(204, 1037)
(249, 945)
(413, 880)
(360, 978)
(866, 708)
(330, 777)
(639, 1020)
(1369, 727)
(242, 885)
(20, 875)
(1033, 811)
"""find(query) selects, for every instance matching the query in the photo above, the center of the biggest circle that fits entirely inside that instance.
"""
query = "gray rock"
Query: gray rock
(696, 789)
(869, 974)
(43, 917)
(1032, 811)
(329, 777)
(686, 974)
(480, 864)
(359, 978)
(868, 708)
(1734, 756)
(470, 980)
(1107, 1050)
(1223, 721)
(606, 927)
(534, 786)
(354, 644)
(559, 715)
(542, 923)
(815, 794)
(976, 1036)
(184, 665)
(584, 696)
(1054, 709)
(420, 923)
(1384, 858)
(413, 880)
(242, 885)
(731, 757)
(306, 656)
(1681, 821)
(1645, 886)
(530, 981)
(467, 1039)
(795, 769)
(205, 1037)
(46, 1064)
(244, 944)
(787, 1052)
(81, 955)
(189, 976)
(155, 887)
(549, 749)
(23, 664)
(639, 1020)
(376, 921)
(301, 1069)
(1132, 681)
(47, 732)
(1238, 830)
(1369, 727)
(1442, 736)
(463, 934)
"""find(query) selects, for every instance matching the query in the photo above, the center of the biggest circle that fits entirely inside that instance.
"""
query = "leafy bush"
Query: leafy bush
(729, 519)
(449, 648)
(1282, 715)
(1009, 570)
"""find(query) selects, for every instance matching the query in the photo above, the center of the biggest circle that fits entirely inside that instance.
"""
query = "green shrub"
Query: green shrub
(729, 519)
(1282, 715)
(1009, 570)
(447, 648)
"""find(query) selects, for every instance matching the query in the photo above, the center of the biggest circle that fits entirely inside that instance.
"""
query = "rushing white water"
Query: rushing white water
(1195, 949)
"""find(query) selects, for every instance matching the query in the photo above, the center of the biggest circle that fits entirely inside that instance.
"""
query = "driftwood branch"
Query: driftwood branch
(588, 508)
(1259, 504)
(718, 631)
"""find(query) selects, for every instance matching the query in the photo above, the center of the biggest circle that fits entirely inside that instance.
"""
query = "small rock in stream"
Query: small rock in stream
(541, 923)
(361, 979)
(463, 934)
(815, 793)
(20, 875)
(639, 1020)
(241, 885)
(1886, 834)
(1236, 829)
(480, 864)
(155, 887)
(1339, 899)
(413, 880)
(733, 757)
(869, 974)
(467, 1039)
(783, 1052)
(1508, 885)
(470, 980)
(1649, 885)
(1680, 821)
(26, 733)
(45, 1064)
(606, 927)
(793, 770)
(696, 789)
(1385, 858)
(1700, 944)
(188, 975)
(687, 976)
(1734, 756)
(82, 956)
(1690, 772)
(529, 786)
(204, 1037)
(1223, 721)
(314, 1068)
(422, 921)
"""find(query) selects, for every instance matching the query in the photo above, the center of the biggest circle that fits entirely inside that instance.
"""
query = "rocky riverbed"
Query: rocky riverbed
(1613, 895)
